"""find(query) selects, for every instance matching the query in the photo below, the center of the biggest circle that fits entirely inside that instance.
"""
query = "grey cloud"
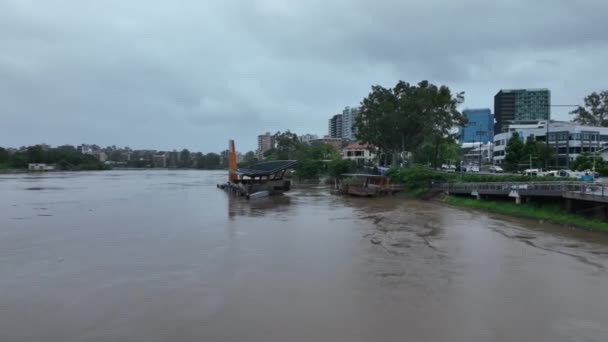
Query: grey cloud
(194, 73)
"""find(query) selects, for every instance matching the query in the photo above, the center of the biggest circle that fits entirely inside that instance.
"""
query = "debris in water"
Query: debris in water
(375, 241)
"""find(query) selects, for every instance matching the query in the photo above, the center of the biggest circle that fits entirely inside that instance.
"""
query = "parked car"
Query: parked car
(471, 168)
(448, 168)
(496, 169)
(531, 172)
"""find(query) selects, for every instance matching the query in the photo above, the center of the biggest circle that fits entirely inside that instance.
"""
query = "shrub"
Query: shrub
(422, 177)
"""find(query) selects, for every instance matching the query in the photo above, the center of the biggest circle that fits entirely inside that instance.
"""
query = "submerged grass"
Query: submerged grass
(551, 213)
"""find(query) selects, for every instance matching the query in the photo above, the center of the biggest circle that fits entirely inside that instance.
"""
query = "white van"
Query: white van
(531, 172)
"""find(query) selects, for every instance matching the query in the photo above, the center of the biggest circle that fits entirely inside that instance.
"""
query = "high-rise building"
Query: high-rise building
(307, 138)
(265, 143)
(335, 126)
(349, 116)
(520, 105)
(480, 126)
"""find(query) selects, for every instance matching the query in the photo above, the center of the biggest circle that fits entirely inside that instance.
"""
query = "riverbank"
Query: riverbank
(549, 213)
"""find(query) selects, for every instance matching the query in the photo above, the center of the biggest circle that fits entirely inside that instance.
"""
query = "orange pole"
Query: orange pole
(232, 177)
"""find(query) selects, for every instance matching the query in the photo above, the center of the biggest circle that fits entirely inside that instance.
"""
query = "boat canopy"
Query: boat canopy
(266, 168)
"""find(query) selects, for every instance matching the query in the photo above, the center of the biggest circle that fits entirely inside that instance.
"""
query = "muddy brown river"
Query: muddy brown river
(165, 256)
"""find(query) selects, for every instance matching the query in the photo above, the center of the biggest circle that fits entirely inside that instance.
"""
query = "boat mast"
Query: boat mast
(232, 176)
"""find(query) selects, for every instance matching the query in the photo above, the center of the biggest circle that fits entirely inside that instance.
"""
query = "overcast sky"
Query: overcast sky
(192, 74)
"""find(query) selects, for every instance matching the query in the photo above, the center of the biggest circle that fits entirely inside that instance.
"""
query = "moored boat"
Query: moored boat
(367, 185)
(259, 180)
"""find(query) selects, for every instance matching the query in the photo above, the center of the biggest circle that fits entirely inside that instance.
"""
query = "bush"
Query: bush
(309, 168)
(337, 167)
(422, 177)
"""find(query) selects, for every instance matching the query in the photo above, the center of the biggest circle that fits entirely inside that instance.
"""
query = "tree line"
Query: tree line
(65, 157)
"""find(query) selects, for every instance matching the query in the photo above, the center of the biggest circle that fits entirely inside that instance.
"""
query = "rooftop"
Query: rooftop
(357, 146)
(266, 168)
(516, 90)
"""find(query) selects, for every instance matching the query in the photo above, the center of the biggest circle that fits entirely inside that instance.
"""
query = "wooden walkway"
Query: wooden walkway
(593, 192)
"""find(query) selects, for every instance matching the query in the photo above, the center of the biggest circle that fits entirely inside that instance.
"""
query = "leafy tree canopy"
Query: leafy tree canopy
(587, 161)
(595, 111)
(514, 152)
(403, 117)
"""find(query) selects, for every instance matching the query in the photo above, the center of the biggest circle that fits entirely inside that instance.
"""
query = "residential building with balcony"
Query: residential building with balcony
(349, 117)
(335, 127)
(265, 143)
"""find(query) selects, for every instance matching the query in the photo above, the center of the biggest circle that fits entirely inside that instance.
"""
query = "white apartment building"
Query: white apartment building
(349, 116)
(307, 138)
(568, 139)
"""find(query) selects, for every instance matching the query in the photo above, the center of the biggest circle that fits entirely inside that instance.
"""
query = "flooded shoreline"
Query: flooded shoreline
(164, 255)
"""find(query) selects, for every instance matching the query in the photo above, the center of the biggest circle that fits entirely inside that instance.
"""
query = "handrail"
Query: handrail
(592, 189)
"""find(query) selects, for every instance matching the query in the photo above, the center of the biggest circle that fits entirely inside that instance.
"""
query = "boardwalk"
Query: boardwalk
(593, 192)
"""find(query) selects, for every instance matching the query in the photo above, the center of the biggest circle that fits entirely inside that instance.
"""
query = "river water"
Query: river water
(165, 256)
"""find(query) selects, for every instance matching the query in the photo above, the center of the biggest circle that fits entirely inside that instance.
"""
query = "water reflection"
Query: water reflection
(239, 206)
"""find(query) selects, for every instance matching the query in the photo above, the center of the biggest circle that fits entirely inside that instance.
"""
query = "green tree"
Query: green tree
(184, 158)
(537, 152)
(588, 161)
(212, 161)
(199, 160)
(544, 153)
(35, 154)
(529, 153)
(250, 158)
(514, 152)
(287, 145)
(311, 159)
(338, 167)
(402, 118)
(317, 151)
(438, 150)
(309, 168)
(4, 155)
(115, 156)
(595, 111)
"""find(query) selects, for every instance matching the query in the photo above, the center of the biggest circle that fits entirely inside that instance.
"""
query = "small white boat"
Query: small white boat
(259, 194)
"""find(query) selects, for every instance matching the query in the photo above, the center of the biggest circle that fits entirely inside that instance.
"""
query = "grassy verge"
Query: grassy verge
(551, 213)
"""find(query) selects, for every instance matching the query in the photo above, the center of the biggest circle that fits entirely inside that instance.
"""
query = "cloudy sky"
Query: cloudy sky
(192, 74)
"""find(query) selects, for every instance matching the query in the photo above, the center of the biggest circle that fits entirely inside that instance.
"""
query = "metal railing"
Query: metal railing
(555, 189)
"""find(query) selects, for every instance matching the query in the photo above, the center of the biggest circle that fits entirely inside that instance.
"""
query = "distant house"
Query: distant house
(40, 167)
(160, 160)
(360, 153)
